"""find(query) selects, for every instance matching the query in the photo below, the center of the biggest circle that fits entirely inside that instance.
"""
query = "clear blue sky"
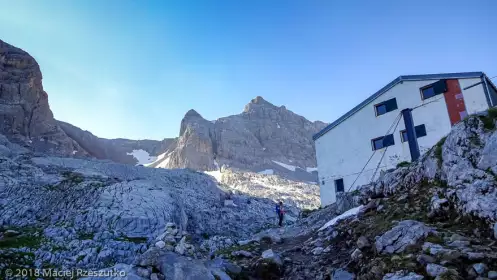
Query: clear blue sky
(133, 68)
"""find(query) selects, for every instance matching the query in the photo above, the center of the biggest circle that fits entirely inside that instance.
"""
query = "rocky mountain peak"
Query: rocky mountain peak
(192, 119)
(264, 137)
(192, 114)
(259, 100)
(256, 103)
(17, 65)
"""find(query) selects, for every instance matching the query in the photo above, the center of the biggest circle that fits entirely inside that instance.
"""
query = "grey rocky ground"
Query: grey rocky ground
(416, 222)
(434, 219)
(71, 212)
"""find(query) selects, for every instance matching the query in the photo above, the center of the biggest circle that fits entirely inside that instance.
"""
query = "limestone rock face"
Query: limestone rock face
(25, 116)
(465, 160)
(262, 137)
(195, 147)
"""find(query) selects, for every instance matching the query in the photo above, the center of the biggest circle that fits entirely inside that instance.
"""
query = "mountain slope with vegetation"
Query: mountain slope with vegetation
(433, 219)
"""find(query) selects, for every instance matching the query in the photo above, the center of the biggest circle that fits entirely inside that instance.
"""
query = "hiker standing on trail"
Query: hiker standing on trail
(281, 212)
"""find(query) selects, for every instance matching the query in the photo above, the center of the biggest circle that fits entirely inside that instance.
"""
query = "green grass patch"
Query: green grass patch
(57, 248)
(433, 238)
(97, 185)
(403, 164)
(491, 172)
(438, 150)
(306, 212)
(353, 193)
(29, 237)
(137, 240)
(20, 241)
(489, 119)
(227, 251)
(85, 235)
(73, 177)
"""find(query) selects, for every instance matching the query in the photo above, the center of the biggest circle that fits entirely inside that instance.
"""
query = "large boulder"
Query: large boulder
(178, 268)
(397, 239)
(403, 275)
(341, 274)
(465, 149)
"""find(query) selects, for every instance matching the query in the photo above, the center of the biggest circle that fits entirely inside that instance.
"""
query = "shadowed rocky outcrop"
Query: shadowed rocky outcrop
(25, 116)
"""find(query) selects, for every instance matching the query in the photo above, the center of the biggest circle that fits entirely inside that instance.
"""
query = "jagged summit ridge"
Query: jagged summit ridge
(263, 137)
(192, 114)
(258, 103)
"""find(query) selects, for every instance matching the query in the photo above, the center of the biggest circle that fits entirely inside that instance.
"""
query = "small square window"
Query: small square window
(382, 142)
(339, 187)
(378, 143)
(420, 131)
(433, 89)
(428, 92)
(381, 109)
(386, 106)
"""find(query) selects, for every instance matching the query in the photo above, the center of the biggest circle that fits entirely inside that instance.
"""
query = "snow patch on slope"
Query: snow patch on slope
(311, 169)
(267, 172)
(293, 167)
(287, 166)
(346, 214)
(161, 161)
(216, 174)
(142, 156)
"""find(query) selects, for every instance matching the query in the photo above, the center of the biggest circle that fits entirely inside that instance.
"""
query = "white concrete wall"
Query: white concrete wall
(343, 151)
(474, 98)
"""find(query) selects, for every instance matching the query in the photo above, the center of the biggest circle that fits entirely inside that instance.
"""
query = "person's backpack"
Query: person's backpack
(277, 208)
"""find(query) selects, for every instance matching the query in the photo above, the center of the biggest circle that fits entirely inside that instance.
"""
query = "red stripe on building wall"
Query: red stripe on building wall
(455, 102)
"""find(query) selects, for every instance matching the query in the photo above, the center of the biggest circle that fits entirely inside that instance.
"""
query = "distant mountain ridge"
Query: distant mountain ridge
(117, 150)
(262, 138)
